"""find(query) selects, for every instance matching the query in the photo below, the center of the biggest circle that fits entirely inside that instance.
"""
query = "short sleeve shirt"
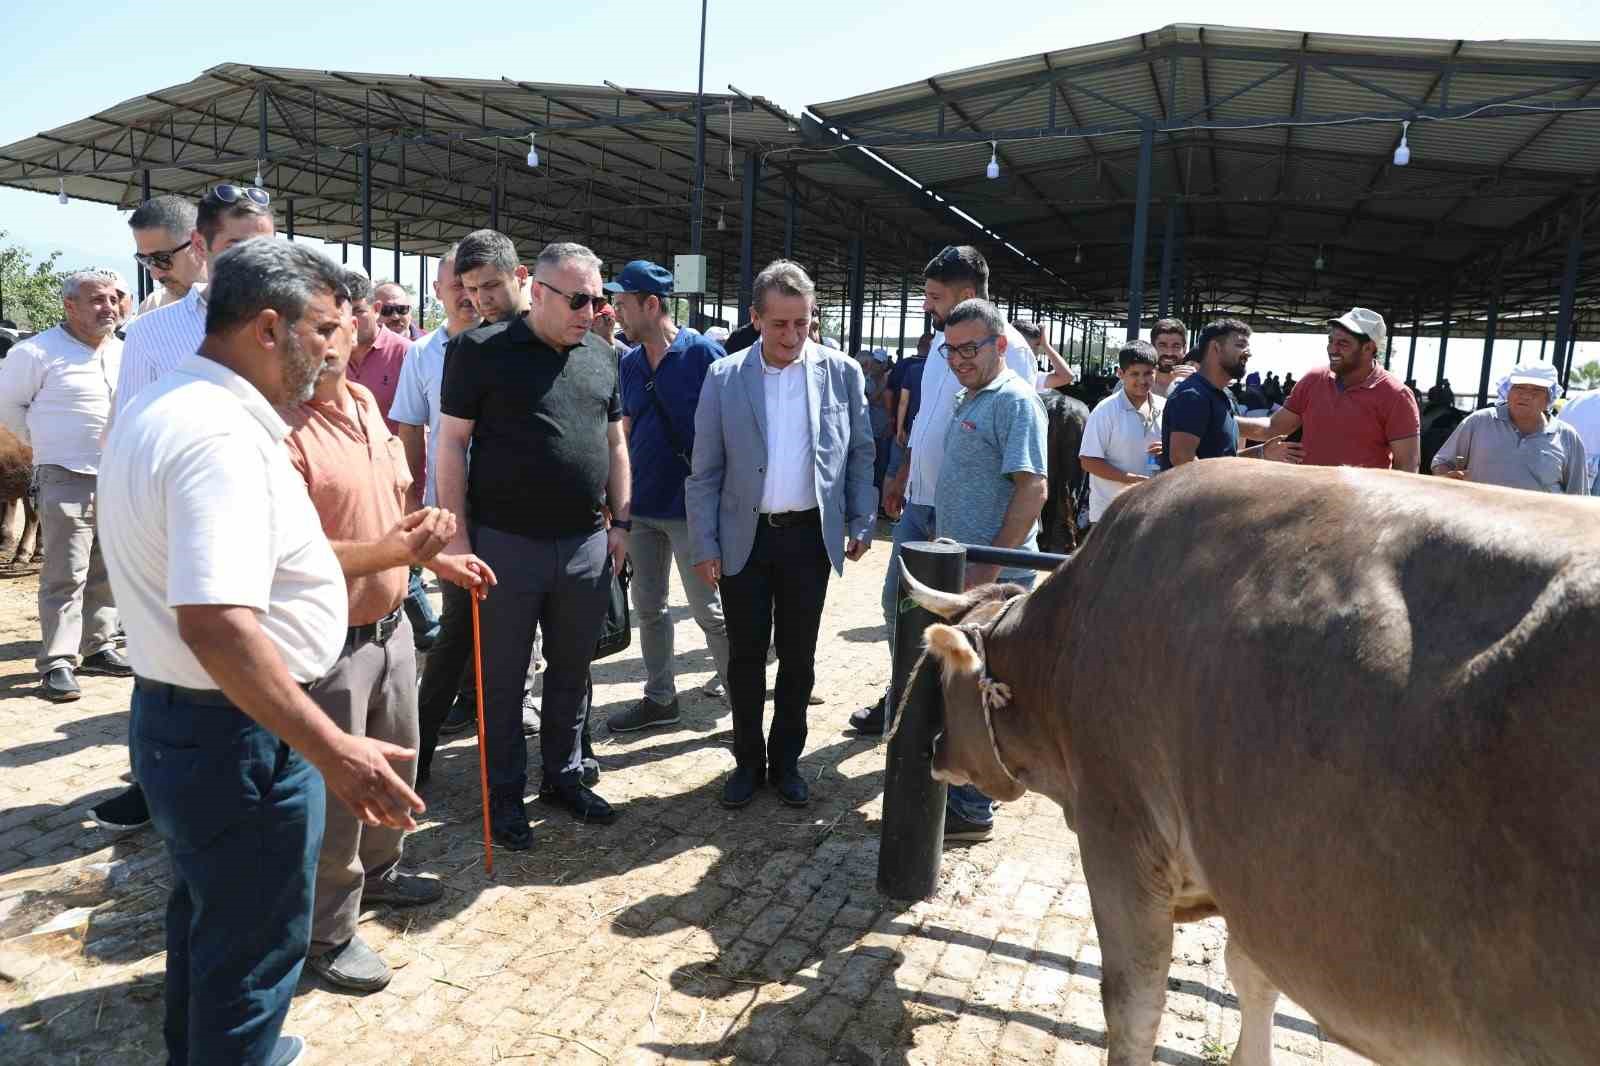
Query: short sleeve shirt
(1497, 453)
(660, 406)
(541, 416)
(198, 504)
(1353, 426)
(1120, 434)
(907, 376)
(1198, 407)
(995, 432)
(380, 370)
(355, 471)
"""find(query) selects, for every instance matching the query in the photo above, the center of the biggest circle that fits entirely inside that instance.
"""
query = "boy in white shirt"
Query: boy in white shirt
(1122, 438)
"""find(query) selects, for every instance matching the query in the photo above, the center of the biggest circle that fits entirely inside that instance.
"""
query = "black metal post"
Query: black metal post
(1168, 238)
(366, 206)
(146, 282)
(344, 253)
(697, 196)
(858, 282)
(494, 200)
(288, 217)
(1416, 328)
(747, 235)
(905, 306)
(1388, 350)
(1141, 231)
(1444, 327)
(397, 250)
(1491, 320)
(1569, 289)
(912, 833)
(422, 291)
(791, 209)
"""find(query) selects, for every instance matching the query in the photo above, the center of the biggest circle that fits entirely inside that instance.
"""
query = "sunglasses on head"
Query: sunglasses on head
(388, 310)
(232, 194)
(577, 301)
(158, 260)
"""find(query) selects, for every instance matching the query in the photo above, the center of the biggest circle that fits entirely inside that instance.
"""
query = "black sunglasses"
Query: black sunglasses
(576, 300)
(159, 260)
(394, 309)
(232, 194)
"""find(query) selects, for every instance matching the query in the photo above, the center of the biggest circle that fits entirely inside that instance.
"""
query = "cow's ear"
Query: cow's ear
(950, 646)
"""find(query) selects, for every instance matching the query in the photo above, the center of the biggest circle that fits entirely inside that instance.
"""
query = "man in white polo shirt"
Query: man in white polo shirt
(55, 394)
(235, 603)
(1117, 440)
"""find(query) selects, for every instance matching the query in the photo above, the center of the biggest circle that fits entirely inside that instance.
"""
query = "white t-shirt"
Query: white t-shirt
(1119, 434)
(791, 480)
(1582, 413)
(199, 505)
(939, 388)
(55, 394)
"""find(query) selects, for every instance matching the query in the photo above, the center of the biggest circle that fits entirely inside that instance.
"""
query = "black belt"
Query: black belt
(786, 519)
(200, 697)
(377, 632)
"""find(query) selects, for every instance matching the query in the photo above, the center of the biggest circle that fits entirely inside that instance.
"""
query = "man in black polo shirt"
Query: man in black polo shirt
(1201, 419)
(535, 396)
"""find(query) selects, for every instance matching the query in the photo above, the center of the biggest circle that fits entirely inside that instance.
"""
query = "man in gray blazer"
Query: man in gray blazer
(780, 491)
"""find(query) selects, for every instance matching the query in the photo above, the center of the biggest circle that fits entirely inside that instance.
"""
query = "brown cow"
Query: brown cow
(1356, 721)
(16, 469)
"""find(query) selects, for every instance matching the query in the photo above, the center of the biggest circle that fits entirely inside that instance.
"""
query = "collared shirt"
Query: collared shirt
(1353, 426)
(939, 388)
(355, 471)
(1551, 459)
(160, 296)
(1582, 413)
(790, 483)
(416, 400)
(907, 377)
(1121, 434)
(993, 433)
(380, 371)
(55, 394)
(1197, 407)
(660, 407)
(199, 505)
(159, 341)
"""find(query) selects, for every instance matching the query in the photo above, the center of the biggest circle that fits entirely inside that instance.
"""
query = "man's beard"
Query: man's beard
(938, 323)
(299, 374)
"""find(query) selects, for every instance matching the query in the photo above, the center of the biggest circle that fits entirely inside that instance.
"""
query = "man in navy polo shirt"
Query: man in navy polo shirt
(1201, 420)
(660, 382)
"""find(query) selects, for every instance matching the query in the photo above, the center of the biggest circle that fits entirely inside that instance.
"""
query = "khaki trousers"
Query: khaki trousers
(73, 585)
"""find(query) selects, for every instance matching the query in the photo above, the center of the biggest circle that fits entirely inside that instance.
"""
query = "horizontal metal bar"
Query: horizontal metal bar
(1014, 558)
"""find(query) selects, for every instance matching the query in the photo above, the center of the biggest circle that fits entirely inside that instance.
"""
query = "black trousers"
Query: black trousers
(779, 592)
(447, 671)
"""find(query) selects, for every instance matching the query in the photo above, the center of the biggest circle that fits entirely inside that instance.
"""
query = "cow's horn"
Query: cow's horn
(943, 604)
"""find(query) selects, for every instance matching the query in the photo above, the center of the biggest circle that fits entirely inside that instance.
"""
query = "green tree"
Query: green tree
(30, 293)
(1589, 374)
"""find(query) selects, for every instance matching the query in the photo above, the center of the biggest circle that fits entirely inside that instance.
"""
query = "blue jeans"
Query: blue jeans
(965, 801)
(916, 523)
(424, 623)
(241, 815)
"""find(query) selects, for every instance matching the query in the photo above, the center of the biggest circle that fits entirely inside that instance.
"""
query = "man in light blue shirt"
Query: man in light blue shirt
(991, 484)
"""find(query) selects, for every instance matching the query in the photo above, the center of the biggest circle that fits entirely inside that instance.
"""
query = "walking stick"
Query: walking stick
(483, 752)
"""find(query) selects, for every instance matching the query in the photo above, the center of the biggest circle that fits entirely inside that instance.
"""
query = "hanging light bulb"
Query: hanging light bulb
(1319, 262)
(1402, 152)
(1077, 257)
(722, 221)
(61, 190)
(259, 183)
(993, 169)
(533, 150)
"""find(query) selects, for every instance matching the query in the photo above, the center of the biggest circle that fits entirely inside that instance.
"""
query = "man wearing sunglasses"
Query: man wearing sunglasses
(535, 397)
(158, 341)
(395, 310)
(168, 247)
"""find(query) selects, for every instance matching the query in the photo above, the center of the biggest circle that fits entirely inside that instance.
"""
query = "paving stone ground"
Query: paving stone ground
(682, 933)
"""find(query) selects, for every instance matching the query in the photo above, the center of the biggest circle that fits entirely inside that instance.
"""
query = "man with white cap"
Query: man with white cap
(1516, 443)
(1354, 413)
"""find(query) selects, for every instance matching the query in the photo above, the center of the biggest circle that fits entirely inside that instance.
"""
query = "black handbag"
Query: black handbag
(617, 633)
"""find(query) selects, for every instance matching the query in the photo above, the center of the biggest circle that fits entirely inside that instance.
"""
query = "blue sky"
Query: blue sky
(66, 61)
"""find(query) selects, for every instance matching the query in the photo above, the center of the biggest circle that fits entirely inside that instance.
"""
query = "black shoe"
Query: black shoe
(462, 717)
(59, 686)
(352, 965)
(814, 701)
(590, 774)
(576, 797)
(401, 890)
(122, 813)
(741, 787)
(508, 823)
(645, 714)
(792, 788)
(869, 720)
(959, 829)
(107, 663)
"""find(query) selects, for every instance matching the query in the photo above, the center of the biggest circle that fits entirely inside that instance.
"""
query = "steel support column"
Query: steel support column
(1569, 291)
(858, 284)
(905, 308)
(698, 193)
(747, 235)
(1416, 328)
(494, 200)
(1444, 328)
(421, 308)
(1490, 322)
(1141, 231)
(397, 251)
(146, 283)
(1168, 237)
(288, 217)
(791, 210)
(366, 207)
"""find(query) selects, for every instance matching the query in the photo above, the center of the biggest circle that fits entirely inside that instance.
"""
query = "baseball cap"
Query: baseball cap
(1363, 323)
(1541, 374)
(642, 276)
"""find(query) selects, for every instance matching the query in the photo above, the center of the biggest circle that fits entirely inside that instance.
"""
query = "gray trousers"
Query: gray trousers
(654, 545)
(73, 584)
(370, 692)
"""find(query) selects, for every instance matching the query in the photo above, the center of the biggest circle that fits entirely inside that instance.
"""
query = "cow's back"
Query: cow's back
(1364, 721)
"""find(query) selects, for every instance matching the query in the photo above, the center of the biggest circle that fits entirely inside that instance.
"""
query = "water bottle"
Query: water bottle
(1152, 461)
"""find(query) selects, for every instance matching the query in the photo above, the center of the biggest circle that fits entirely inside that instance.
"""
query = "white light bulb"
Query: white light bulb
(993, 169)
(1402, 153)
(1077, 257)
(722, 220)
(533, 151)
(1320, 262)
(259, 183)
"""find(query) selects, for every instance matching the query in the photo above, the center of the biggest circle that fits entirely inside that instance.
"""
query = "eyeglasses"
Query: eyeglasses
(966, 353)
(576, 300)
(394, 310)
(159, 260)
(232, 194)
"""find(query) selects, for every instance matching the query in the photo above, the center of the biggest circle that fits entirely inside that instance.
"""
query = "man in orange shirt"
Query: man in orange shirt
(357, 477)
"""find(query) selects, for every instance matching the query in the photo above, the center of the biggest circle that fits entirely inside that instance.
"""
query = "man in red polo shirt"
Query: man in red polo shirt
(379, 353)
(1354, 413)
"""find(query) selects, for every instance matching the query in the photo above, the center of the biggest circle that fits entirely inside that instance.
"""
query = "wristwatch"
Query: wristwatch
(625, 526)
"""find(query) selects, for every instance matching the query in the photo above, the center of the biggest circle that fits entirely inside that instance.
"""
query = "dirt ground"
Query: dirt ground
(682, 933)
